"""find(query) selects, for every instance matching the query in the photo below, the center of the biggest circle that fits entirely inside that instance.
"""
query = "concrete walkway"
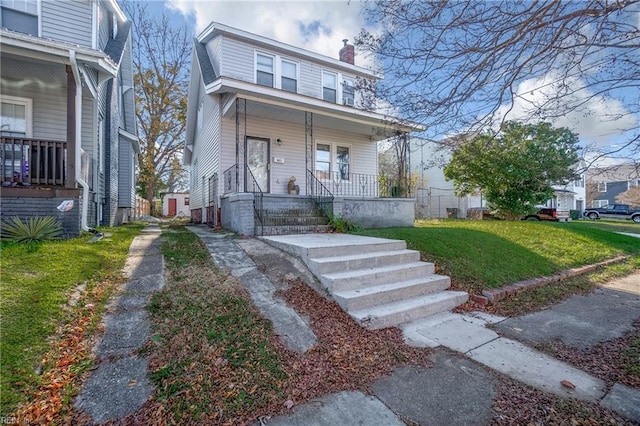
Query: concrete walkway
(227, 254)
(120, 386)
(457, 390)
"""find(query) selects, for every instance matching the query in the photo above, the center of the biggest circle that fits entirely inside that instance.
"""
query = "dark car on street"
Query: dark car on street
(613, 211)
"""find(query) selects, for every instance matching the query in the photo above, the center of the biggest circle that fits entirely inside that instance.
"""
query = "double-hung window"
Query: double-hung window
(264, 70)
(20, 15)
(289, 79)
(342, 162)
(329, 86)
(348, 91)
(333, 162)
(601, 186)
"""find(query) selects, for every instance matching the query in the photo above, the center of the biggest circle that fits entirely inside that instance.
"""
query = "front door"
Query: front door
(257, 153)
(172, 207)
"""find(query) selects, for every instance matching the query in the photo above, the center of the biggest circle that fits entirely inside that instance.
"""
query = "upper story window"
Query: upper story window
(579, 183)
(264, 70)
(289, 76)
(633, 183)
(601, 186)
(329, 86)
(20, 15)
(348, 91)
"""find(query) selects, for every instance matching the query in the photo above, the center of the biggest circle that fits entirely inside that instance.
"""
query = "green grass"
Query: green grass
(215, 357)
(35, 283)
(488, 254)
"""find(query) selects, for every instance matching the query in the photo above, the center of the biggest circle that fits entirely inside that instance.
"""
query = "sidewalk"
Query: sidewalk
(119, 385)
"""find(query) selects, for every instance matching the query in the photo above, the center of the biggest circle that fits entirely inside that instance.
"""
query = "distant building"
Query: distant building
(604, 184)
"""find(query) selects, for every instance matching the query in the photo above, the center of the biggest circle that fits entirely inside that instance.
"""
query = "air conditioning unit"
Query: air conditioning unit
(348, 101)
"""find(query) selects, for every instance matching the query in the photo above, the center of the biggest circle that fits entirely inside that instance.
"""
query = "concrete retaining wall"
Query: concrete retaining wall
(376, 212)
(237, 213)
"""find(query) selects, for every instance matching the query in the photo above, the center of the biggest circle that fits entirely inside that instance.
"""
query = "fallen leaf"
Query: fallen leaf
(568, 384)
(288, 404)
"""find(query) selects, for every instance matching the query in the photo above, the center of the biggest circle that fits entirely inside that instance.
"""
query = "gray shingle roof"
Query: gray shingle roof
(206, 68)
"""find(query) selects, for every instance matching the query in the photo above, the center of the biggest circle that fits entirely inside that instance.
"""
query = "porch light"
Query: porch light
(279, 142)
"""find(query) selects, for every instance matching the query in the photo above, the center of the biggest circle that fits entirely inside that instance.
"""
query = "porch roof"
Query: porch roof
(38, 48)
(289, 107)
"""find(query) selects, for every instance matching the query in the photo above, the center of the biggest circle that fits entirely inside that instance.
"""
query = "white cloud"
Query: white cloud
(598, 120)
(318, 26)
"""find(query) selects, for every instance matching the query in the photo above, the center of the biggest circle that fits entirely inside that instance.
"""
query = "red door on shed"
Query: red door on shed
(172, 207)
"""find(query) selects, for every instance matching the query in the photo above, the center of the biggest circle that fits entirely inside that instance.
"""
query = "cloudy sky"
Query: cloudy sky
(320, 26)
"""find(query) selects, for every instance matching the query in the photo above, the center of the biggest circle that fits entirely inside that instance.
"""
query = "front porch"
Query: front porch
(365, 200)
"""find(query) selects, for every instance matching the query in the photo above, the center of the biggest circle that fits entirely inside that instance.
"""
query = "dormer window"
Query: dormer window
(329, 86)
(264, 70)
(113, 25)
(348, 91)
(289, 76)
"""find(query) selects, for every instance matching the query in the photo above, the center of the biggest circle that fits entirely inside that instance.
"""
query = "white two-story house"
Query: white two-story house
(261, 112)
(68, 129)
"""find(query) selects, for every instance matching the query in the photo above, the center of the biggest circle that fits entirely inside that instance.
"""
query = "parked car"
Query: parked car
(613, 211)
(544, 213)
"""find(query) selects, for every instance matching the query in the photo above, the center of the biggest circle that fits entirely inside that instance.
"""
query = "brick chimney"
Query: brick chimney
(347, 52)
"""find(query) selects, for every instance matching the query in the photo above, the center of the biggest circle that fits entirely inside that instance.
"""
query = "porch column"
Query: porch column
(241, 133)
(308, 146)
(70, 178)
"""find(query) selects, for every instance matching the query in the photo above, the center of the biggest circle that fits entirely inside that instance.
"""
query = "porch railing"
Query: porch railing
(212, 208)
(231, 179)
(321, 196)
(343, 184)
(258, 196)
(27, 161)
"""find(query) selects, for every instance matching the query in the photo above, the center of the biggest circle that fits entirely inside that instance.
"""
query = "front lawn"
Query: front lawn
(35, 287)
(488, 254)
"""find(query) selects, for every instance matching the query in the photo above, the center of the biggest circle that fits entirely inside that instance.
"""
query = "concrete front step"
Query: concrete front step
(353, 300)
(378, 245)
(360, 278)
(392, 314)
(292, 229)
(293, 212)
(327, 265)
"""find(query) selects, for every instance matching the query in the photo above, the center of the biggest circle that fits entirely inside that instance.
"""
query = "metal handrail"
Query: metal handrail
(320, 194)
(230, 177)
(258, 196)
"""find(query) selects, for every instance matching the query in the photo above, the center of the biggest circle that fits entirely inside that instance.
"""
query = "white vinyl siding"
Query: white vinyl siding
(50, 106)
(237, 61)
(68, 21)
(206, 150)
(103, 25)
(363, 155)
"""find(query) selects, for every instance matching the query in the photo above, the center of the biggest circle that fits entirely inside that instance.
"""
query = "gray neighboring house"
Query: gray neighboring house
(68, 129)
(606, 183)
(261, 112)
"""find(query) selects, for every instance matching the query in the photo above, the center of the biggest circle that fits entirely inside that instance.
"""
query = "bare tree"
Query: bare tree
(161, 58)
(458, 65)
(630, 196)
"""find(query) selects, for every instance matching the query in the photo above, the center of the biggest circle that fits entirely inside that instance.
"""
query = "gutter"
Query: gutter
(78, 177)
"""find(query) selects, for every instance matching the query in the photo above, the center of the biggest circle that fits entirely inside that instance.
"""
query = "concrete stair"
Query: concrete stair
(378, 282)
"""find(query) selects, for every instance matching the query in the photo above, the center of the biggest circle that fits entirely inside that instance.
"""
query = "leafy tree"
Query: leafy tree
(459, 64)
(515, 168)
(630, 196)
(161, 58)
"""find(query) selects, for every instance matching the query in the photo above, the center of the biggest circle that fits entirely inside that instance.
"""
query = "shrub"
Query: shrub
(34, 230)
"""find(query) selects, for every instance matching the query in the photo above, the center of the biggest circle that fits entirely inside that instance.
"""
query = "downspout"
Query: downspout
(78, 120)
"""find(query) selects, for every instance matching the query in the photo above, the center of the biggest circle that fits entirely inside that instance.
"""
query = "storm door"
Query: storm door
(257, 152)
